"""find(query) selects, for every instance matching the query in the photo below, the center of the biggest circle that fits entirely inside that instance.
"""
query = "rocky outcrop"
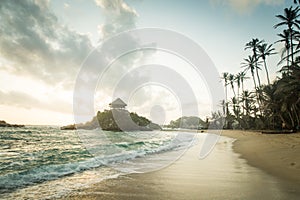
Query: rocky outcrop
(5, 124)
(116, 120)
(68, 127)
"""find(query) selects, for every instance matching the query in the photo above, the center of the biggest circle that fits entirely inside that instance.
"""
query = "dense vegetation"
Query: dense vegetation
(274, 105)
(116, 120)
(188, 123)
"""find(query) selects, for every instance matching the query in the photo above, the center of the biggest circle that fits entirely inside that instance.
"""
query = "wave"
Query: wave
(132, 150)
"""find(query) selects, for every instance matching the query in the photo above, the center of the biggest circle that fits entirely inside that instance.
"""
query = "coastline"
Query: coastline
(276, 154)
(269, 155)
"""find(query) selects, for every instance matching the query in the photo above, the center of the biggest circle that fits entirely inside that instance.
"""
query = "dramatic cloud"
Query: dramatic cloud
(35, 44)
(244, 6)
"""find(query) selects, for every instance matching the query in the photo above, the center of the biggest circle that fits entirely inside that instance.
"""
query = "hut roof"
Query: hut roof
(118, 102)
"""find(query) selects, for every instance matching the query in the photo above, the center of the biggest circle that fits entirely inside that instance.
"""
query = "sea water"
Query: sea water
(46, 162)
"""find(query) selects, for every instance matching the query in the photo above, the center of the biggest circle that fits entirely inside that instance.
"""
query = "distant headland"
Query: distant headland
(5, 124)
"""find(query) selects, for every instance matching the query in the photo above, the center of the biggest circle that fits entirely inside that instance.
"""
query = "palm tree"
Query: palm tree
(287, 88)
(285, 35)
(290, 19)
(242, 76)
(225, 77)
(264, 51)
(254, 44)
(249, 64)
(234, 107)
(248, 99)
(238, 81)
(231, 79)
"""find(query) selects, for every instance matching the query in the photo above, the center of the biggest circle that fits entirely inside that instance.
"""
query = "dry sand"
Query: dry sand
(278, 157)
(276, 154)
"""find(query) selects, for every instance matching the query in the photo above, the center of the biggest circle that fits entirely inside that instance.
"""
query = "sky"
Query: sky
(46, 44)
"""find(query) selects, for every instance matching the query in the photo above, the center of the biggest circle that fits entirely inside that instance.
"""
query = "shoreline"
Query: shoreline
(276, 154)
(182, 179)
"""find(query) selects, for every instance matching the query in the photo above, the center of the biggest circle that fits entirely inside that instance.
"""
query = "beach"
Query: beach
(276, 154)
(243, 165)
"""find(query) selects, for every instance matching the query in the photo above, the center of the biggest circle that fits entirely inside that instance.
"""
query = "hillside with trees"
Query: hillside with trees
(117, 120)
(188, 123)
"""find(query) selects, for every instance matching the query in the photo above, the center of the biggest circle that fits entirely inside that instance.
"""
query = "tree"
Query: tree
(289, 19)
(248, 99)
(249, 64)
(254, 44)
(285, 35)
(264, 51)
(225, 77)
(242, 76)
(231, 79)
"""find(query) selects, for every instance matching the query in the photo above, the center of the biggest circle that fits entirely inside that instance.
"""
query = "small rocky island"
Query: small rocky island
(116, 119)
(5, 124)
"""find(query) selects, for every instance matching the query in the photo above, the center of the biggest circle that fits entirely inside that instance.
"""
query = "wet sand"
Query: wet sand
(222, 175)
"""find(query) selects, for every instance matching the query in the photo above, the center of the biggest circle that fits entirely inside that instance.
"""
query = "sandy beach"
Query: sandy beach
(275, 173)
(276, 154)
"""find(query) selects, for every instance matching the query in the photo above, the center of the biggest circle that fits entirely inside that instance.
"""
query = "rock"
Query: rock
(116, 120)
(69, 127)
(5, 124)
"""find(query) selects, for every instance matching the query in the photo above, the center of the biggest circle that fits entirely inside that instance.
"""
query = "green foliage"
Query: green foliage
(188, 123)
(122, 120)
(276, 104)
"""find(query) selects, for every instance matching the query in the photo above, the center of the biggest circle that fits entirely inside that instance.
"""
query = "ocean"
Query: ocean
(44, 162)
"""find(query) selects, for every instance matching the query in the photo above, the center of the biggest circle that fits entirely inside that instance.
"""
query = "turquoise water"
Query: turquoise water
(38, 156)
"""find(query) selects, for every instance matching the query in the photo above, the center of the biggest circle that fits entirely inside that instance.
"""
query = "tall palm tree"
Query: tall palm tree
(290, 19)
(238, 82)
(242, 77)
(285, 35)
(264, 51)
(225, 76)
(254, 44)
(231, 79)
(249, 64)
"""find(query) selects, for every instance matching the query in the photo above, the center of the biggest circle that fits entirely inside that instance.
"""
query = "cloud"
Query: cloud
(118, 17)
(245, 6)
(34, 43)
(24, 100)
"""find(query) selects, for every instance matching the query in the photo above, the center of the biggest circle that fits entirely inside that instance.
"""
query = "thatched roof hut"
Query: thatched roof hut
(117, 104)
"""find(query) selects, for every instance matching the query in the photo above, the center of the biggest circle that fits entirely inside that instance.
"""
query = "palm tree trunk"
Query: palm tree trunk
(226, 99)
(238, 101)
(258, 79)
(287, 59)
(296, 114)
(233, 90)
(257, 96)
(291, 118)
(292, 48)
(243, 101)
(267, 71)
